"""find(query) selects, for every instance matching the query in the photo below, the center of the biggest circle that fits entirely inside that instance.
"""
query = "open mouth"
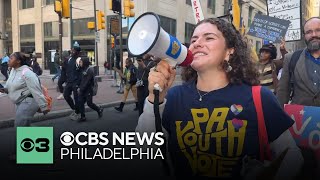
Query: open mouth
(199, 54)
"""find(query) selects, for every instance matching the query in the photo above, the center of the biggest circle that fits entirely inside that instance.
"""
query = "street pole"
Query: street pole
(120, 40)
(121, 89)
(60, 34)
(71, 26)
(95, 40)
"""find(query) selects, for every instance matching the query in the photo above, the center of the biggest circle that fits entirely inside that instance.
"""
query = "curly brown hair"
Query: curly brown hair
(243, 69)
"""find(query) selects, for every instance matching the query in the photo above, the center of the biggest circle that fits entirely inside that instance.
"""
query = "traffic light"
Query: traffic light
(91, 25)
(115, 5)
(101, 20)
(128, 6)
(57, 6)
(65, 8)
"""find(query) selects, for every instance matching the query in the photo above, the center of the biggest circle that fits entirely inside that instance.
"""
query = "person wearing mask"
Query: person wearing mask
(211, 122)
(85, 89)
(144, 65)
(73, 77)
(24, 90)
(4, 66)
(130, 78)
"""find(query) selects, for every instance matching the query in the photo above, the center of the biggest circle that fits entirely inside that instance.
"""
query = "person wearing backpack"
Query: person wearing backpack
(85, 90)
(300, 79)
(130, 79)
(24, 90)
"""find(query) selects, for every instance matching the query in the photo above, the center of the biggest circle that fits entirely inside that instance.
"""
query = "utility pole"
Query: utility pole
(60, 34)
(95, 40)
(71, 26)
(120, 40)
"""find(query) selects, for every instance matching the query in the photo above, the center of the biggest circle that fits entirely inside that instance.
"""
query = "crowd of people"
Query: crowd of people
(223, 85)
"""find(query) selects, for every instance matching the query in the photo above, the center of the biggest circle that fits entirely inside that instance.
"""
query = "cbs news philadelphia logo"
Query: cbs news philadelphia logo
(34, 145)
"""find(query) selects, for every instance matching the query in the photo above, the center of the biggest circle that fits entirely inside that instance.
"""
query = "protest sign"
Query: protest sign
(306, 129)
(268, 28)
(287, 10)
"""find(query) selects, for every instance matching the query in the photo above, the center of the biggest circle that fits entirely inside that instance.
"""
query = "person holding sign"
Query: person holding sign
(268, 66)
(300, 79)
(211, 121)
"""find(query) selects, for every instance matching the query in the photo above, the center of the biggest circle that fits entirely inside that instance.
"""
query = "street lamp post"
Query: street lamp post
(95, 40)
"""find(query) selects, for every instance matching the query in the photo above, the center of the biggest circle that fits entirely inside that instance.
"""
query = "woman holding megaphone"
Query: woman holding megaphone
(220, 123)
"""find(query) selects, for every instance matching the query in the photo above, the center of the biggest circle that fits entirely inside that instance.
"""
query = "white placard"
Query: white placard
(288, 10)
(197, 10)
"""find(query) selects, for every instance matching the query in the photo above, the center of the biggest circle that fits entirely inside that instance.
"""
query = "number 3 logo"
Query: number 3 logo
(41, 145)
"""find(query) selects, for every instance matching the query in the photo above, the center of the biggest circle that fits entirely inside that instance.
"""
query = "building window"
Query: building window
(26, 4)
(80, 27)
(47, 29)
(188, 2)
(212, 5)
(168, 24)
(27, 31)
(48, 2)
(188, 32)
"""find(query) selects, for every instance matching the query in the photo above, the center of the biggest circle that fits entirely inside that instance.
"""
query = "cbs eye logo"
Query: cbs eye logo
(40, 145)
(67, 138)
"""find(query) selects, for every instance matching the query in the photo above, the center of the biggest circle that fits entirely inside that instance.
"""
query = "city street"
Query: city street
(112, 121)
(106, 94)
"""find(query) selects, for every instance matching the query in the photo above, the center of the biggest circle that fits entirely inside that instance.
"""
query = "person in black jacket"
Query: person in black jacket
(72, 72)
(145, 63)
(62, 79)
(85, 89)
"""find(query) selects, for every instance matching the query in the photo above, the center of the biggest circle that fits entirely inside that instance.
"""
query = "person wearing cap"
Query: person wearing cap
(269, 66)
(266, 67)
(73, 78)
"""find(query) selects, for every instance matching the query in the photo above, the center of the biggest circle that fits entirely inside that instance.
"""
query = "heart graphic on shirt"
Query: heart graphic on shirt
(236, 109)
(237, 123)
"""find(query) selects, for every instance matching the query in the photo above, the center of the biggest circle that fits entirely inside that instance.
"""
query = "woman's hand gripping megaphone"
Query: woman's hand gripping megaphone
(161, 78)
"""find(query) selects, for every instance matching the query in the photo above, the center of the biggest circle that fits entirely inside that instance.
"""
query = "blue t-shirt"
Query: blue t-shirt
(209, 138)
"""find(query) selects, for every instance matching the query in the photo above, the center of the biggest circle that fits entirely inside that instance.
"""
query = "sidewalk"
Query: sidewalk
(107, 96)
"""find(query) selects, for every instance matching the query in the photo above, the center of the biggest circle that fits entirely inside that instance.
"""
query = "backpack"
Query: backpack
(46, 96)
(45, 93)
(40, 71)
(95, 86)
(95, 83)
(292, 65)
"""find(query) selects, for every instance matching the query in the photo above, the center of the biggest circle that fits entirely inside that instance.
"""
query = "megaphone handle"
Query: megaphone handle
(157, 87)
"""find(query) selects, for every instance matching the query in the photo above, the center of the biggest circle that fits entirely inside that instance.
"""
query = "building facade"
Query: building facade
(32, 25)
(5, 27)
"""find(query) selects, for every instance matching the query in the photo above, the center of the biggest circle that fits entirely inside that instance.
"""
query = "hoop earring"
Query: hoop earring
(227, 66)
